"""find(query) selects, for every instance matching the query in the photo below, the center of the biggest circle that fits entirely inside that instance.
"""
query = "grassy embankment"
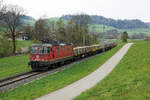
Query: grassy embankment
(58, 80)
(21, 44)
(15, 64)
(128, 81)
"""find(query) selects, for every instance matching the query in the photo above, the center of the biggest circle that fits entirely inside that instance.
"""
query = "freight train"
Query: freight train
(48, 55)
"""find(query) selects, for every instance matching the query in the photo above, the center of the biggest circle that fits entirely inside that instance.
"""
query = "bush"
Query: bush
(147, 38)
(36, 41)
(124, 37)
(5, 46)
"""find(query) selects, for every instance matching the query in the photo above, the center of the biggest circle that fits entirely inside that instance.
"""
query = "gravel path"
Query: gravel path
(74, 89)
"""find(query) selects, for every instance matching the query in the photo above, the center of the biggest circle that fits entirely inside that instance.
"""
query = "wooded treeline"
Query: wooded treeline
(73, 31)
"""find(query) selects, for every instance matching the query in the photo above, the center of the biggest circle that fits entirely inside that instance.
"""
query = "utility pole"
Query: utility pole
(103, 38)
(83, 38)
(83, 33)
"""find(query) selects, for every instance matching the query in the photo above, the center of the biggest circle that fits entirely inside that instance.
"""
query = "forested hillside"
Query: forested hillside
(28, 20)
(120, 24)
(148, 24)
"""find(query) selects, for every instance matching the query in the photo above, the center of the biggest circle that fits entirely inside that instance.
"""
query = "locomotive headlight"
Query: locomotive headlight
(37, 56)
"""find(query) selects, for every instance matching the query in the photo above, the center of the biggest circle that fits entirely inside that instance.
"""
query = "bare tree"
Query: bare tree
(42, 30)
(2, 9)
(61, 30)
(12, 21)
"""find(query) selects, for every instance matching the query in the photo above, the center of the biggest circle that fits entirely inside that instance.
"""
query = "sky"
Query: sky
(117, 9)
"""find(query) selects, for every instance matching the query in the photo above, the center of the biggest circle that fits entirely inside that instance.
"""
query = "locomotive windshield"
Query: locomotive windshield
(33, 50)
(44, 50)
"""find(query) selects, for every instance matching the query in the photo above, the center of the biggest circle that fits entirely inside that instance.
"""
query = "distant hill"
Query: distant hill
(148, 24)
(98, 28)
(28, 20)
(53, 19)
(25, 20)
(120, 24)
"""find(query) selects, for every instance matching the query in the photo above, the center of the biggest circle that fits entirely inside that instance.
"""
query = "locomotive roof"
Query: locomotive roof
(39, 45)
(48, 45)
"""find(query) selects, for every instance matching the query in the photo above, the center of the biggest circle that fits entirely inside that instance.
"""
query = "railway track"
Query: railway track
(24, 78)
(14, 81)
(16, 78)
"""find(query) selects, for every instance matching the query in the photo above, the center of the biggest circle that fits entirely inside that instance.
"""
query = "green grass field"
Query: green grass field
(55, 19)
(58, 80)
(29, 22)
(128, 81)
(21, 44)
(13, 65)
(137, 31)
(98, 28)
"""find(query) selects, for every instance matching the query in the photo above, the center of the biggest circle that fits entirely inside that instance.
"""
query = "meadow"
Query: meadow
(98, 28)
(58, 80)
(13, 65)
(128, 81)
(23, 44)
(137, 31)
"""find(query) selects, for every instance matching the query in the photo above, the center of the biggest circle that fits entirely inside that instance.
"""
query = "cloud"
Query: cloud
(118, 9)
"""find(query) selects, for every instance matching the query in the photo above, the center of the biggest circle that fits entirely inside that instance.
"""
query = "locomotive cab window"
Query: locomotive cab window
(63, 48)
(41, 50)
(68, 48)
(33, 50)
(48, 50)
(57, 49)
(51, 50)
(44, 50)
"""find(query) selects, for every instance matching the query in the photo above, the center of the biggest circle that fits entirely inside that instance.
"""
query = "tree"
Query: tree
(29, 30)
(70, 30)
(82, 21)
(2, 9)
(124, 36)
(60, 28)
(42, 30)
(5, 45)
(12, 21)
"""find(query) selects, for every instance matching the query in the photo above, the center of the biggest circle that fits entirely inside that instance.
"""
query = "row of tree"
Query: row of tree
(73, 31)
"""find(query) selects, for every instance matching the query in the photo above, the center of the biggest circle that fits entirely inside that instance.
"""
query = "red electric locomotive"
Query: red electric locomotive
(43, 56)
(47, 54)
